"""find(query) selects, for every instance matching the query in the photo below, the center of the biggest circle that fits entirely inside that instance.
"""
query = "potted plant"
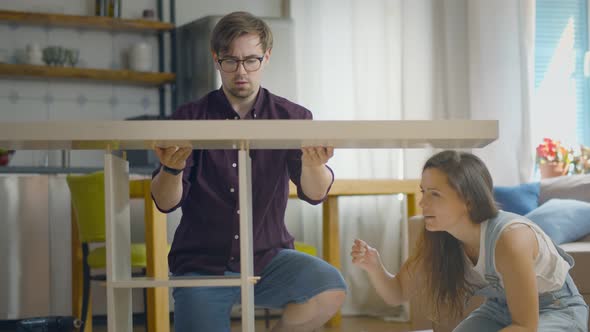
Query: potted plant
(5, 156)
(553, 159)
(581, 160)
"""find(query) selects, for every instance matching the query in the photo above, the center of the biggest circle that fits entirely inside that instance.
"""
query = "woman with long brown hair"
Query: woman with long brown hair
(470, 247)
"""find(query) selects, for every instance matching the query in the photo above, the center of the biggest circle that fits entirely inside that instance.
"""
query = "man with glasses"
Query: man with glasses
(204, 184)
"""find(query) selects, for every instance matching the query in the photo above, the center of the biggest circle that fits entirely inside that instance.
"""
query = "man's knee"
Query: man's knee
(198, 304)
(324, 304)
(313, 313)
(331, 300)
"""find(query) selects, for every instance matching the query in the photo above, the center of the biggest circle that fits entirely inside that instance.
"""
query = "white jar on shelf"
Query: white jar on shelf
(34, 55)
(140, 57)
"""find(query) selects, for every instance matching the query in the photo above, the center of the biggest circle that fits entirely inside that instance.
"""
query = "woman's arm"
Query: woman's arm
(394, 289)
(516, 251)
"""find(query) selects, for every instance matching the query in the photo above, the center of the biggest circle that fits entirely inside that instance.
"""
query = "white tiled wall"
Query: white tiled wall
(39, 100)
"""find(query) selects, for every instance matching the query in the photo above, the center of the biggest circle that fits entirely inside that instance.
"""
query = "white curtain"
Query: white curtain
(352, 64)
(501, 61)
(392, 60)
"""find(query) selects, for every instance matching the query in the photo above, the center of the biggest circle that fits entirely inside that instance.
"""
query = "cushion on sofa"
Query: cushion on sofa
(519, 199)
(564, 220)
(565, 187)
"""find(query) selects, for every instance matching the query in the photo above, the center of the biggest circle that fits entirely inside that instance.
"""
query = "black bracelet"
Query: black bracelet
(172, 171)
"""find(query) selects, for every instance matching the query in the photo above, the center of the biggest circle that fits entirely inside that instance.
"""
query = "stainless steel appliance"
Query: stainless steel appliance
(35, 247)
(25, 283)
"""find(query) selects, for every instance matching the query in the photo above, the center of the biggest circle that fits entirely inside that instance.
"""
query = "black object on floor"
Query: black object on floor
(49, 324)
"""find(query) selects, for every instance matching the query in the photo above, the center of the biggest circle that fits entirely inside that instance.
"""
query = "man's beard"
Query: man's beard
(242, 93)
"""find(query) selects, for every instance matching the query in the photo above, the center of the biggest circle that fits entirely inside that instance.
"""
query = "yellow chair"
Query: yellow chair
(306, 248)
(87, 195)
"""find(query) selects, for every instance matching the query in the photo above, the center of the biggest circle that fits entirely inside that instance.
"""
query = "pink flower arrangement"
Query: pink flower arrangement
(5, 156)
(551, 151)
(582, 160)
(554, 159)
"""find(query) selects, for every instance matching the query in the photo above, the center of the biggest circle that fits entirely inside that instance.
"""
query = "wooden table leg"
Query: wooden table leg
(418, 306)
(156, 241)
(118, 242)
(246, 238)
(331, 243)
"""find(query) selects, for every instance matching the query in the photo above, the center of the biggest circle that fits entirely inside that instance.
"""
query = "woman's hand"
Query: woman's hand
(365, 256)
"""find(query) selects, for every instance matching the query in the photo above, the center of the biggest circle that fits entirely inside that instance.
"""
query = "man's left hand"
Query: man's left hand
(314, 156)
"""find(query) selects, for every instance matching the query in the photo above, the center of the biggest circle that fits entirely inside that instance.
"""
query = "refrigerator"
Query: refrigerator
(195, 71)
(25, 244)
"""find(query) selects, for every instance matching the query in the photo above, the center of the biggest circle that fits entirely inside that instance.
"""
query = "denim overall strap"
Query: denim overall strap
(560, 310)
(569, 259)
(494, 230)
(568, 289)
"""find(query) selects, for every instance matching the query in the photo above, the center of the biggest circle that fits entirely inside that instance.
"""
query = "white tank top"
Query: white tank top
(550, 268)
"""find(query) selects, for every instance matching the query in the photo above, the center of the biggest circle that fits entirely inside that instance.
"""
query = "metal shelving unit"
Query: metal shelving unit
(159, 79)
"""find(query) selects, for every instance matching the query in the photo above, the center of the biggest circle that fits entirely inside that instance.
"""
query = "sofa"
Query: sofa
(565, 188)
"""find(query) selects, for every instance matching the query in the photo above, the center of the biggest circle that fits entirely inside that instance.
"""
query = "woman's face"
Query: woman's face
(442, 207)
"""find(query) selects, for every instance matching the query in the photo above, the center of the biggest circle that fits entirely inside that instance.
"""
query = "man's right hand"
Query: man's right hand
(173, 156)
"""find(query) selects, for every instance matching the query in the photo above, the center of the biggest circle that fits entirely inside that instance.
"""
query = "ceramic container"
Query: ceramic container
(140, 57)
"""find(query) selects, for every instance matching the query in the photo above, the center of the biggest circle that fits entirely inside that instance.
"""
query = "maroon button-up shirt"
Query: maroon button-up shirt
(206, 239)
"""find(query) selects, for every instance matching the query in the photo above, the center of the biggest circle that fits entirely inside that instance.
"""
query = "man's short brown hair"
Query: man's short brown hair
(237, 24)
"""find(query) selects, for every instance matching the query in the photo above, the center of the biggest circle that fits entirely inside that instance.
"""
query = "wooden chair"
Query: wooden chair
(331, 231)
(88, 227)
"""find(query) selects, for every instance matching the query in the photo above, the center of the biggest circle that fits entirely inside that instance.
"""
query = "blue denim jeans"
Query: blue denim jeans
(562, 310)
(291, 277)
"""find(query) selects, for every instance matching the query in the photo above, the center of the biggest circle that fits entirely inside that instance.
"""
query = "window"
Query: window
(561, 102)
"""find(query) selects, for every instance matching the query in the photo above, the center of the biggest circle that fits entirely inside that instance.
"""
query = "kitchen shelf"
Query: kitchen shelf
(87, 22)
(86, 74)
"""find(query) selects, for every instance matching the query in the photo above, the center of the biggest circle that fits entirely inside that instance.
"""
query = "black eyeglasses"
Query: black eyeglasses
(231, 65)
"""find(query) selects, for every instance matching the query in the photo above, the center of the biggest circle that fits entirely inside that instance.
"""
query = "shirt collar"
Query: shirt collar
(257, 107)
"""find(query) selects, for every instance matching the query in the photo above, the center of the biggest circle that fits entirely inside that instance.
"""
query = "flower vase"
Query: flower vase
(5, 156)
(552, 169)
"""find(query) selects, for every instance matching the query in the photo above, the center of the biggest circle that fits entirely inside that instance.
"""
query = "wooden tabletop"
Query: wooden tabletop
(253, 134)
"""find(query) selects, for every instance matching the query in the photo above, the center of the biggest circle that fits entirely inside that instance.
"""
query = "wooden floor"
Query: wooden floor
(349, 324)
